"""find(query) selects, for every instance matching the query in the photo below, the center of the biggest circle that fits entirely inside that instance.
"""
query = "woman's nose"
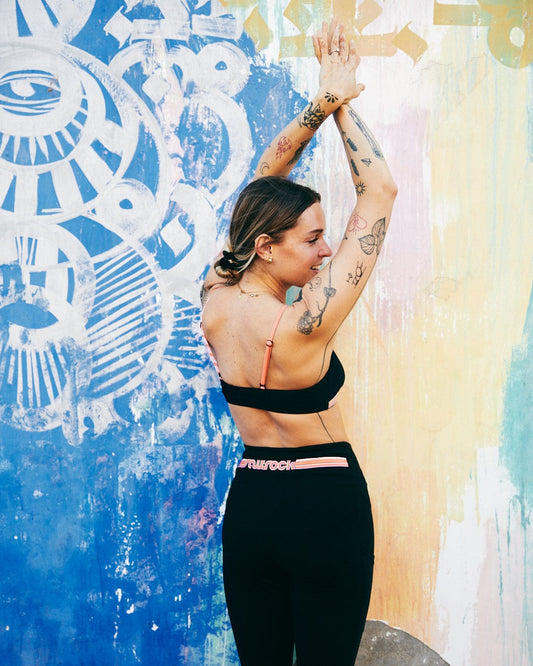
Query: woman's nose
(325, 250)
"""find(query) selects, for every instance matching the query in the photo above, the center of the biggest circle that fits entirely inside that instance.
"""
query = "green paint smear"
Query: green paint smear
(518, 413)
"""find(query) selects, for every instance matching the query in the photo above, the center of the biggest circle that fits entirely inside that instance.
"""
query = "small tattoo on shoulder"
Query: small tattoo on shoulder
(315, 283)
(308, 319)
(305, 323)
(264, 166)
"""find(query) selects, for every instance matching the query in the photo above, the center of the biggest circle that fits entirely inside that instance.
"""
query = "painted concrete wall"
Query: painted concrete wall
(126, 129)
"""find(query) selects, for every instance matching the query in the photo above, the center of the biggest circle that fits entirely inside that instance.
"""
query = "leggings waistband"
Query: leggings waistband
(289, 465)
(326, 455)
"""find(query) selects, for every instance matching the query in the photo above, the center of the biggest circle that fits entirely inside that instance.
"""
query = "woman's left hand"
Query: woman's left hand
(338, 62)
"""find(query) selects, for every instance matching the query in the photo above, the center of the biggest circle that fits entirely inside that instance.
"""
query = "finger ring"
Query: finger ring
(334, 51)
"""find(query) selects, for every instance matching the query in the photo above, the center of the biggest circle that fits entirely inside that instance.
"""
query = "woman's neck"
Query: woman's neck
(261, 282)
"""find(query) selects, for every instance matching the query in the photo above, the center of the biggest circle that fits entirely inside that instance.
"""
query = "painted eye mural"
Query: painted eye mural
(29, 93)
(69, 154)
(69, 133)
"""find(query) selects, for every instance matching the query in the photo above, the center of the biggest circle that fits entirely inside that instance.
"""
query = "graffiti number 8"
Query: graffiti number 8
(509, 23)
(509, 35)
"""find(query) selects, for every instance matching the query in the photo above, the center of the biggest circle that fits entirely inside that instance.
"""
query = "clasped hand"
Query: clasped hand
(338, 62)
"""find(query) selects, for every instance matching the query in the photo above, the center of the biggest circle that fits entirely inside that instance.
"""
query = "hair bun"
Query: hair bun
(228, 261)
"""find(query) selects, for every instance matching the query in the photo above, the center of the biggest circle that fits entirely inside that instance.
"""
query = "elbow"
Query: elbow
(389, 188)
(386, 190)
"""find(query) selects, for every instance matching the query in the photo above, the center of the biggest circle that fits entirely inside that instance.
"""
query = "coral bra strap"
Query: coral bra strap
(268, 347)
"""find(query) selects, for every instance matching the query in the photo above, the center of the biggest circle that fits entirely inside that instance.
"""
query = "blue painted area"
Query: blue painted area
(92, 532)
(53, 18)
(95, 238)
(47, 200)
(9, 200)
(145, 169)
(27, 314)
(53, 154)
(23, 28)
(203, 161)
(116, 448)
(85, 187)
(515, 453)
(518, 415)
(111, 159)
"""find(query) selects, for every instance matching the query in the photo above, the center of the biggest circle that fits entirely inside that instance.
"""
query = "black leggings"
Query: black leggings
(298, 556)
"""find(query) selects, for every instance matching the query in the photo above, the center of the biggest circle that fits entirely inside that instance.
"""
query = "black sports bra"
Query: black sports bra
(316, 398)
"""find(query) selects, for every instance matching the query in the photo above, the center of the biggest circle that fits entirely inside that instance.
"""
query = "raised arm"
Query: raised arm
(329, 297)
(337, 85)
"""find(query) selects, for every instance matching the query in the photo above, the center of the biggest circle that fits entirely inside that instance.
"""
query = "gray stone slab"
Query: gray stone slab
(383, 645)
(387, 646)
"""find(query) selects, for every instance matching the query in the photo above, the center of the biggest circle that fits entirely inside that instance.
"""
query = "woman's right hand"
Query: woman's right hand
(338, 63)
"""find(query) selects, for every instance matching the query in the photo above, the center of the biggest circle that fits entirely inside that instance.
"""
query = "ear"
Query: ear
(263, 247)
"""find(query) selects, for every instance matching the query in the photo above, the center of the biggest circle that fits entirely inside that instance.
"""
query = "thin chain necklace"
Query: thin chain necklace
(252, 294)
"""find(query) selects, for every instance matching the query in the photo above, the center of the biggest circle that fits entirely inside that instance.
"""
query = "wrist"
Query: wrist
(328, 98)
(313, 115)
(323, 104)
(342, 109)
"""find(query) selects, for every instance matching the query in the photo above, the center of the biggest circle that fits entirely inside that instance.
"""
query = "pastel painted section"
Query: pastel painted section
(488, 239)
(430, 346)
(449, 527)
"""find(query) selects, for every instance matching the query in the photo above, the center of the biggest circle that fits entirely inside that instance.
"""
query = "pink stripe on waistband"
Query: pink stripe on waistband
(288, 465)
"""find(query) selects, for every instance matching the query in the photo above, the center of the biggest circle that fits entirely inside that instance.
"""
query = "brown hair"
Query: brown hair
(269, 205)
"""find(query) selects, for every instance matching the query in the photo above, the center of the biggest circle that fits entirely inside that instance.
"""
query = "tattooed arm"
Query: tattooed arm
(368, 168)
(329, 297)
(337, 85)
(286, 149)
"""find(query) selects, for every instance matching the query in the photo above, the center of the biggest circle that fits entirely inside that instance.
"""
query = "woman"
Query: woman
(297, 535)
